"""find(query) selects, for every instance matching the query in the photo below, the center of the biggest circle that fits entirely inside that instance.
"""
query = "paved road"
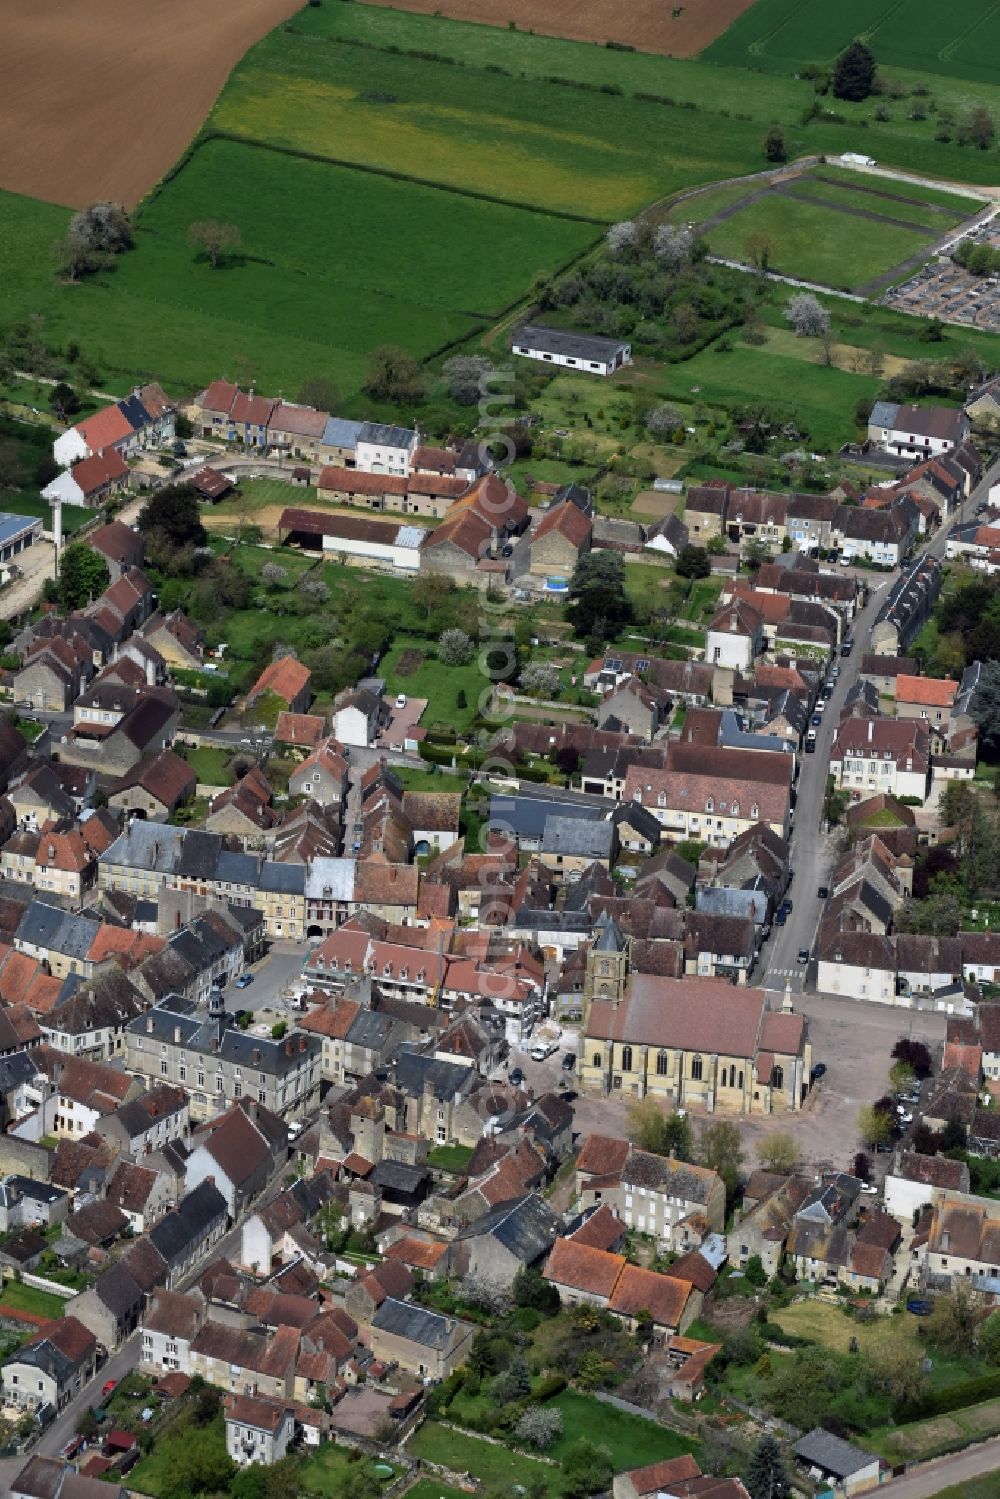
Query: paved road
(947, 1472)
(813, 852)
(124, 1360)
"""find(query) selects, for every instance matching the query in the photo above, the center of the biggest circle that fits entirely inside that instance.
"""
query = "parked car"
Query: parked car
(819, 1071)
(401, 700)
(835, 673)
(847, 647)
(569, 1061)
(905, 1117)
(869, 1189)
(919, 1307)
(787, 905)
(72, 1447)
(823, 892)
(244, 981)
(516, 1077)
(780, 916)
(817, 719)
(108, 1388)
(803, 955)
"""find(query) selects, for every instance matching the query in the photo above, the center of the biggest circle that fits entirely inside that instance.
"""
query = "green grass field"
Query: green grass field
(783, 35)
(301, 300)
(523, 147)
(438, 683)
(816, 243)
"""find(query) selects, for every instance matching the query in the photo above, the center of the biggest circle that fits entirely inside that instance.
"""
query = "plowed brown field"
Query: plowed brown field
(99, 97)
(647, 25)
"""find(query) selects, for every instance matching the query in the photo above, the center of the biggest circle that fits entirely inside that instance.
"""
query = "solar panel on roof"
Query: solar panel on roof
(642, 664)
(612, 663)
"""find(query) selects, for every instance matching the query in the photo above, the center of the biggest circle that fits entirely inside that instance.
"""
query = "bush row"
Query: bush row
(939, 1402)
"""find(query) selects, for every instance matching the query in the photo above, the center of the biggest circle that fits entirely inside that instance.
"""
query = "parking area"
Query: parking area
(945, 289)
(404, 719)
(360, 1411)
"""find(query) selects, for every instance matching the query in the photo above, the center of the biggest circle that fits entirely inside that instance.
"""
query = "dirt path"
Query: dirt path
(98, 100)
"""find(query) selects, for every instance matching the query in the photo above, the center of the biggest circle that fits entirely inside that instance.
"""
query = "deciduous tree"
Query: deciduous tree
(83, 574)
(215, 241)
(774, 145)
(777, 1151)
(807, 315)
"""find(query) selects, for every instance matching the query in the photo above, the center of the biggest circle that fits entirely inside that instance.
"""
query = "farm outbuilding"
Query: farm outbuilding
(358, 539)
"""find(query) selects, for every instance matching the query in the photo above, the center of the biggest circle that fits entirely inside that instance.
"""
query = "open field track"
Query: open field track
(98, 100)
(648, 25)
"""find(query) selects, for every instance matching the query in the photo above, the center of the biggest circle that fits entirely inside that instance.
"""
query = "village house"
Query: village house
(870, 756)
(916, 431)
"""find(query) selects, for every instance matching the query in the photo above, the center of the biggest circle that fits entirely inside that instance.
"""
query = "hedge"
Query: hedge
(939, 1402)
(551, 1385)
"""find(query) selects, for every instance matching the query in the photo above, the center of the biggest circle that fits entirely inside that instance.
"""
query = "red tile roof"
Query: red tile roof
(926, 691)
(104, 428)
(286, 678)
(580, 1268)
(93, 474)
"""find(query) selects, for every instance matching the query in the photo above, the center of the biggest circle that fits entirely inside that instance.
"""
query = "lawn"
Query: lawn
(646, 584)
(440, 684)
(450, 1157)
(875, 195)
(14, 1293)
(325, 1470)
(921, 1440)
(816, 243)
(152, 1474)
(492, 1464)
(431, 779)
(632, 1441)
(210, 765)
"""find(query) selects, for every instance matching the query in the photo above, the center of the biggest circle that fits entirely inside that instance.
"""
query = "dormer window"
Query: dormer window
(710, 804)
(754, 810)
(736, 809)
(661, 800)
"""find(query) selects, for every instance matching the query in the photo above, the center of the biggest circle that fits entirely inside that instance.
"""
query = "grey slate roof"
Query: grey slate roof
(823, 1450)
(382, 435)
(526, 816)
(414, 1071)
(527, 1227)
(341, 433)
(188, 1223)
(60, 931)
(569, 345)
(578, 837)
(404, 1320)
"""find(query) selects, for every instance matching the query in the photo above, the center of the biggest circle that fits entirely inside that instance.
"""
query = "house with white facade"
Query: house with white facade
(383, 449)
(735, 636)
(258, 1429)
(881, 755)
(916, 431)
